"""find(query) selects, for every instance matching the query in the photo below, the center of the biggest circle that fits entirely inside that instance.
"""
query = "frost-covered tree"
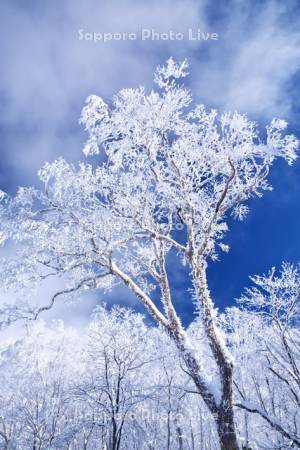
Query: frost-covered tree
(117, 386)
(118, 358)
(114, 386)
(167, 177)
(36, 374)
(266, 345)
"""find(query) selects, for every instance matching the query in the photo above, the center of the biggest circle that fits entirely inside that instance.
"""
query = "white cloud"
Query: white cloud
(48, 73)
(261, 54)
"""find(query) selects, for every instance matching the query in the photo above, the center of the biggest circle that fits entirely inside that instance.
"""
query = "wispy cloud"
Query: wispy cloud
(48, 72)
(258, 57)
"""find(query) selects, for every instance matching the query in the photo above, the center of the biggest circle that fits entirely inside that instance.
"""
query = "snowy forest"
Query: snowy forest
(162, 179)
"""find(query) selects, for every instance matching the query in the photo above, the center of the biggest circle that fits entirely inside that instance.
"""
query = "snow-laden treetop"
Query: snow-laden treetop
(164, 164)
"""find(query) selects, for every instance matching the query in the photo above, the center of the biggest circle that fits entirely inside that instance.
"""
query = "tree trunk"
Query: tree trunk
(226, 432)
(223, 412)
(225, 415)
(179, 437)
(228, 442)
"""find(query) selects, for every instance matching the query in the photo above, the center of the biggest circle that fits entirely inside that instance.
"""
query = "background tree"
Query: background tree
(121, 384)
(118, 357)
(113, 386)
(266, 347)
(36, 374)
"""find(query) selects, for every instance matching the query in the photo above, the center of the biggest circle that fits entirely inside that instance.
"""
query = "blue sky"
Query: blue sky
(253, 67)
